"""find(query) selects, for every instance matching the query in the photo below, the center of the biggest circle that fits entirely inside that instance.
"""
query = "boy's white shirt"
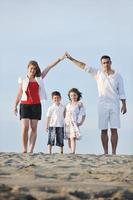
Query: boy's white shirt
(56, 114)
(110, 88)
(25, 82)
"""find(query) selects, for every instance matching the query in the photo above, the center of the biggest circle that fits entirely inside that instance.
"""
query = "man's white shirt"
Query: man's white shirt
(110, 87)
(111, 90)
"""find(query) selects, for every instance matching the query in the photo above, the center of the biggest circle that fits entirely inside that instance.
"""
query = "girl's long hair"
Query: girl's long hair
(75, 90)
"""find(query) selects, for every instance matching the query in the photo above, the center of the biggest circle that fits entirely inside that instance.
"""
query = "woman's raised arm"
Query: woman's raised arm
(50, 66)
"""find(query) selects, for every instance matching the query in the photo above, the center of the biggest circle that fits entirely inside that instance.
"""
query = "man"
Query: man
(111, 91)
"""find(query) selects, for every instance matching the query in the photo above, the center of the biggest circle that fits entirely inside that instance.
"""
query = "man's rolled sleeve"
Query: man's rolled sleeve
(121, 88)
(91, 70)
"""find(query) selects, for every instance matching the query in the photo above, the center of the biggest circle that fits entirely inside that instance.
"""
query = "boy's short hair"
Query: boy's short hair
(105, 57)
(56, 93)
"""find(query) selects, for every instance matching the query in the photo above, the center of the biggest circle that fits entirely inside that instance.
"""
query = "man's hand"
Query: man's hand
(76, 62)
(123, 108)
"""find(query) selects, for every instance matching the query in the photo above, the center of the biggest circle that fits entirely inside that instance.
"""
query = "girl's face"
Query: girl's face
(31, 71)
(73, 96)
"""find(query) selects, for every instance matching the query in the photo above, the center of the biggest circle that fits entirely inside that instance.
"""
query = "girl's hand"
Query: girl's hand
(79, 124)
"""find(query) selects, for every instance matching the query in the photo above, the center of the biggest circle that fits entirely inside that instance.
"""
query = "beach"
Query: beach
(41, 176)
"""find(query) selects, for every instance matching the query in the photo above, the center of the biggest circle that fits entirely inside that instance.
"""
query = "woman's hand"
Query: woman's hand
(62, 57)
(15, 110)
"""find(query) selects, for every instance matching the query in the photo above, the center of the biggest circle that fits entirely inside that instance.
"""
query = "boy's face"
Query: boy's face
(56, 99)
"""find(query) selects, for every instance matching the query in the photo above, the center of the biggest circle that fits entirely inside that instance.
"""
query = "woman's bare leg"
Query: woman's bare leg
(24, 130)
(33, 134)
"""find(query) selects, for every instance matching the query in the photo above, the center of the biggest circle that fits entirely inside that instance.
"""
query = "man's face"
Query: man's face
(106, 64)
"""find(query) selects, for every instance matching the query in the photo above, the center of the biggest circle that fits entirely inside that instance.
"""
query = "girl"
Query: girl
(74, 110)
(31, 91)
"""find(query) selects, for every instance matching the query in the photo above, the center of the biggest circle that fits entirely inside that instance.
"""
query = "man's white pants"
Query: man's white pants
(108, 115)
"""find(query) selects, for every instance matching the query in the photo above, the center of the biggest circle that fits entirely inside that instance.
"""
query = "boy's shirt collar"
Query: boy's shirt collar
(54, 104)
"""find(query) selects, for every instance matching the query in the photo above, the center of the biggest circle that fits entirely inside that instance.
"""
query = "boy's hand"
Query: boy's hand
(46, 129)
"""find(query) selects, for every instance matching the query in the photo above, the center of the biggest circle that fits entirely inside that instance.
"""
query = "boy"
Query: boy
(55, 123)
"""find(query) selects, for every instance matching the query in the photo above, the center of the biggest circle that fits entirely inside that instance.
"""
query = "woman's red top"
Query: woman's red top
(32, 93)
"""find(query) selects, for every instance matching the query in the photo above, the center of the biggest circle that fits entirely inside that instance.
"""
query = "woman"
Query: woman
(31, 91)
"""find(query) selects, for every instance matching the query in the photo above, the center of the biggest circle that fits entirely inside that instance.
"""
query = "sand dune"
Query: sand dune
(65, 177)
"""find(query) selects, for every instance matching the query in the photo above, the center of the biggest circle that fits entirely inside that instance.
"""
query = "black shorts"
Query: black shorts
(32, 111)
(58, 134)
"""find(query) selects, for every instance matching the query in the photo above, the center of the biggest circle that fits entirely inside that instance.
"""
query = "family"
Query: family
(63, 122)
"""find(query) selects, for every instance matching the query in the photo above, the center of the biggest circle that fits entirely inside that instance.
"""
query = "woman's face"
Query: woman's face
(31, 71)
(73, 96)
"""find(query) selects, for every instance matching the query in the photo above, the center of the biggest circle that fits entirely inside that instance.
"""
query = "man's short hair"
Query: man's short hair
(105, 57)
(56, 93)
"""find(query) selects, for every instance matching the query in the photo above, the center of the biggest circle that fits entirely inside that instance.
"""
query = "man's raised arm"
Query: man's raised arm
(82, 65)
(76, 62)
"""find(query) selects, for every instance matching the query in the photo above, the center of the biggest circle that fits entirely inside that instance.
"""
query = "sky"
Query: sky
(43, 30)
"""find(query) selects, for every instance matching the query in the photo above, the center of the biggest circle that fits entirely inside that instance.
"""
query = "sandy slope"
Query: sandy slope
(60, 177)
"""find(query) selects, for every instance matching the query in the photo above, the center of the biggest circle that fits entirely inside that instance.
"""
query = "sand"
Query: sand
(61, 177)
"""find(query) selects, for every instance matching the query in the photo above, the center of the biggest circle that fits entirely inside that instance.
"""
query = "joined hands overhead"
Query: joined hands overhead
(66, 55)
